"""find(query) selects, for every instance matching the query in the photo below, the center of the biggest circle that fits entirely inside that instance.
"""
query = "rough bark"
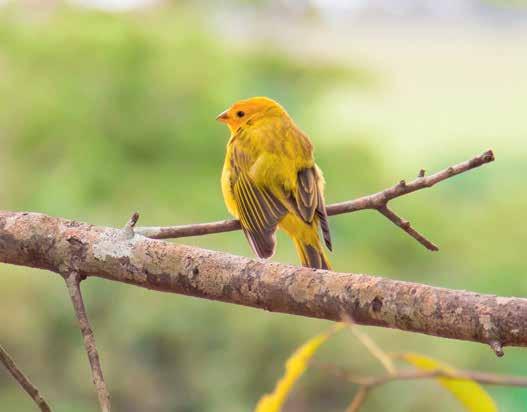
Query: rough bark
(63, 246)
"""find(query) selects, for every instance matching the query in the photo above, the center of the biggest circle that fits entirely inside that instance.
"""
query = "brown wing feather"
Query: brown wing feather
(260, 213)
(323, 218)
(310, 201)
(306, 193)
(259, 210)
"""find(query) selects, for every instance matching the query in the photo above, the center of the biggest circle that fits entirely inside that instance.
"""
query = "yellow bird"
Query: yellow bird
(270, 179)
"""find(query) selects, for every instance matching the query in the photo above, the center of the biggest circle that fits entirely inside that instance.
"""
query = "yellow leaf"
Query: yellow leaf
(471, 395)
(294, 368)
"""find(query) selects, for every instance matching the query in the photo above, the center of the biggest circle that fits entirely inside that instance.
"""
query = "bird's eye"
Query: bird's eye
(240, 114)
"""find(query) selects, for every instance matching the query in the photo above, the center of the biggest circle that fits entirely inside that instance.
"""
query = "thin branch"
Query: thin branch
(73, 282)
(375, 350)
(366, 384)
(483, 378)
(41, 241)
(377, 201)
(198, 229)
(128, 229)
(359, 399)
(407, 227)
(495, 345)
(23, 380)
(480, 377)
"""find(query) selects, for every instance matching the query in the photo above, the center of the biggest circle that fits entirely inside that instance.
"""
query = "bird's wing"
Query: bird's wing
(258, 209)
(310, 200)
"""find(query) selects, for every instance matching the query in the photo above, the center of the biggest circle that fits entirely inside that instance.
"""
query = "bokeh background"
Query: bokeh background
(108, 107)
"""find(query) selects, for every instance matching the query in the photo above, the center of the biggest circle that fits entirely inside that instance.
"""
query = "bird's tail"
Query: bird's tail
(307, 241)
(312, 254)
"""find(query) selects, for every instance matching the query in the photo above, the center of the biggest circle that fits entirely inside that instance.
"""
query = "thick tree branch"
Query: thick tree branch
(23, 381)
(73, 282)
(377, 201)
(45, 242)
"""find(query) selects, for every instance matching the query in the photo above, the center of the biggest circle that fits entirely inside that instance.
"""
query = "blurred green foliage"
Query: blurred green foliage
(102, 115)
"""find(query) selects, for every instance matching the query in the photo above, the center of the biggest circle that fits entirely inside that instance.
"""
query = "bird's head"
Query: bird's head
(247, 111)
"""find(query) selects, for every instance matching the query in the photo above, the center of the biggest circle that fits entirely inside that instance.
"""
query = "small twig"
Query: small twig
(375, 350)
(128, 229)
(23, 380)
(197, 229)
(497, 348)
(366, 384)
(376, 201)
(359, 399)
(407, 227)
(73, 283)
(412, 374)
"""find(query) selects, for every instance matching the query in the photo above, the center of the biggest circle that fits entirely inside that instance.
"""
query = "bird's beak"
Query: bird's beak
(223, 117)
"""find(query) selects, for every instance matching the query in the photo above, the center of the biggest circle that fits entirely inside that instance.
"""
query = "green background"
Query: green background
(104, 114)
